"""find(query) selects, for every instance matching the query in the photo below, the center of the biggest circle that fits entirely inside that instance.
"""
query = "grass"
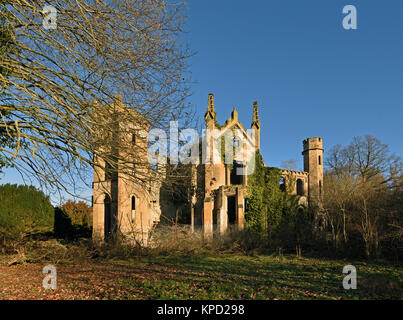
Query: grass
(262, 277)
(186, 268)
(219, 276)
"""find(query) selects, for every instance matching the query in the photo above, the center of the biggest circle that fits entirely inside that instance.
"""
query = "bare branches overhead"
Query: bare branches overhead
(98, 49)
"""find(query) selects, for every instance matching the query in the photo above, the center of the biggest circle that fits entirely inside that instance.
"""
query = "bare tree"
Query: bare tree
(338, 195)
(6, 47)
(363, 192)
(370, 205)
(365, 157)
(60, 94)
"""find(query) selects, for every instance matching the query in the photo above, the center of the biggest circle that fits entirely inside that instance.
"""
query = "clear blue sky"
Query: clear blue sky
(310, 76)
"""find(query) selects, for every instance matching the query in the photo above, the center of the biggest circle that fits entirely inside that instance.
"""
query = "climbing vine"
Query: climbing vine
(272, 212)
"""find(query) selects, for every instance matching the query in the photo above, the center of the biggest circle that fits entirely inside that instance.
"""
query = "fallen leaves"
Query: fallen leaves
(223, 277)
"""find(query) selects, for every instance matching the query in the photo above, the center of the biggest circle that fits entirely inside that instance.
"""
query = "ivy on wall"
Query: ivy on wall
(273, 214)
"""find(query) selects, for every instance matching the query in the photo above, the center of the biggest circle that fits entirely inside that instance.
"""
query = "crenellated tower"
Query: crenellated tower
(313, 164)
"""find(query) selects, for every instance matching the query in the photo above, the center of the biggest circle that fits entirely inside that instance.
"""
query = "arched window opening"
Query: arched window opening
(282, 184)
(133, 203)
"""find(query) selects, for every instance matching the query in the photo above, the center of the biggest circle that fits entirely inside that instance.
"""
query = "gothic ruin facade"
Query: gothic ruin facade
(218, 195)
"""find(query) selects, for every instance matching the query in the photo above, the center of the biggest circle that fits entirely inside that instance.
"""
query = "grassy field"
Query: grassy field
(229, 276)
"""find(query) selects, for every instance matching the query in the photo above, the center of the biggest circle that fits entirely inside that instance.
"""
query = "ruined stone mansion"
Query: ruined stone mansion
(218, 195)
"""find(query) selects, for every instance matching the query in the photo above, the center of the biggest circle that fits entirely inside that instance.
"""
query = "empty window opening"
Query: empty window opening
(133, 203)
(107, 216)
(300, 187)
(236, 177)
(282, 183)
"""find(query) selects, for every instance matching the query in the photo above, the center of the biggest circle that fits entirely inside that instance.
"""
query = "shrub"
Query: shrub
(24, 210)
(79, 212)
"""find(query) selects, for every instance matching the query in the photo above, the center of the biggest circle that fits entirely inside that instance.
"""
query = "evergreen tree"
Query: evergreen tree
(24, 210)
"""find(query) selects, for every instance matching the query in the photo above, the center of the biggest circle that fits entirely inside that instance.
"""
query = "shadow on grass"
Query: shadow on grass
(304, 278)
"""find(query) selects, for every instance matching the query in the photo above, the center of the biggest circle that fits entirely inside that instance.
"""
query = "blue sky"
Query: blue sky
(310, 76)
